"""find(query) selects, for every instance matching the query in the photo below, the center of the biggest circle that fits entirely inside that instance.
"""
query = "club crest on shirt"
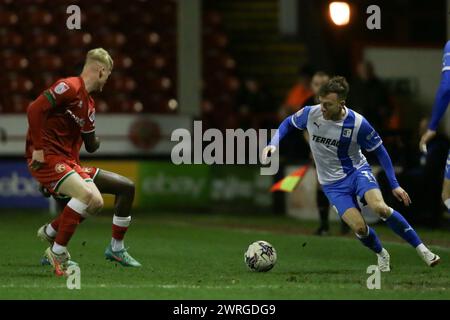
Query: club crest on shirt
(60, 167)
(347, 133)
(61, 88)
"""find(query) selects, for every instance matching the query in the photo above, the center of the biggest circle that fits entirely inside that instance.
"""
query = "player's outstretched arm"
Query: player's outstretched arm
(441, 102)
(91, 141)
(285, 127)
(386, 164)
(369, 140)
(297, 120)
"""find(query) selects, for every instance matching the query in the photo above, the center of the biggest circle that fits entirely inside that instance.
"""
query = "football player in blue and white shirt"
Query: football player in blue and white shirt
(336, 136)
(441, 102)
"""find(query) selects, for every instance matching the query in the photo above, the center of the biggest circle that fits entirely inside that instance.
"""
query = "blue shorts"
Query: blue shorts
(343, 193)
(447, 167)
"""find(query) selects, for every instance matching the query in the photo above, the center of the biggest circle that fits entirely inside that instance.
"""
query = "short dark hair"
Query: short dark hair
(338, 85)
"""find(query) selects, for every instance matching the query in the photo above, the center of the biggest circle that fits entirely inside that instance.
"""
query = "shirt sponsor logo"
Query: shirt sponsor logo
(78, 120)
(325, 141)
(61, 88)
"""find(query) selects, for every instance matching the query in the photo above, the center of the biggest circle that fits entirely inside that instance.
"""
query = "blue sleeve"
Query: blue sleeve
(441, 100)
(368, 138)
(386, 163)
(285, 127)
(297, 120)
(300, 118)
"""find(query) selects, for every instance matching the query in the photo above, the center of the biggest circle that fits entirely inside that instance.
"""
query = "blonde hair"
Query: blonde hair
(100, 55)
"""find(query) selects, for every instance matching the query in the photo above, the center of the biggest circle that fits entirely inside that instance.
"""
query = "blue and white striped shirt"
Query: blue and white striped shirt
(336, 145)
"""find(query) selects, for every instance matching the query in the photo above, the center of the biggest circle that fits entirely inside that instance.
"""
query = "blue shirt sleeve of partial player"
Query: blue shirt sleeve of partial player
(368, 139)
(441, 100)
(297, 120)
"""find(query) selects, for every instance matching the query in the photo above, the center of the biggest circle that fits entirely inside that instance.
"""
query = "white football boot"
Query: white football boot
(43, 236)
(384, 261)
(429, 257)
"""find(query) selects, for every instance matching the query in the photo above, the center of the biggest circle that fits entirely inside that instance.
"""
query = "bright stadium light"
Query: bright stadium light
(340, 13)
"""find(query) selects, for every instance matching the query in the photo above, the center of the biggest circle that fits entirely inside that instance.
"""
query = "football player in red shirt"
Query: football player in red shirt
(60, 120)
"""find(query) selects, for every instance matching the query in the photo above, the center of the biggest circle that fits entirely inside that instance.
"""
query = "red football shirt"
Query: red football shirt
(58, 117)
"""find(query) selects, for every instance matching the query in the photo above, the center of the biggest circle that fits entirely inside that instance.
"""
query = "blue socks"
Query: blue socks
(371, 241)
(400, 226)
(397, 223)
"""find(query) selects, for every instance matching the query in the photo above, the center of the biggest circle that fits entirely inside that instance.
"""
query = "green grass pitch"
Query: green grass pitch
(200, 256)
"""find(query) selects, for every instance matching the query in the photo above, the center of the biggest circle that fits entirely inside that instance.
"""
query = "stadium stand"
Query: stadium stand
(144, 78)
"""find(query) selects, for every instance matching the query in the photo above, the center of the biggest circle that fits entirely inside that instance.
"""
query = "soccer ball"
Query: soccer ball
(260, 256)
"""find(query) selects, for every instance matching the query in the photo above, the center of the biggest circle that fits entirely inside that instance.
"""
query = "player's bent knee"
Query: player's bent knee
(86, 195)
(128, 187)
(381, 209)
(358, 227)
(95, 205)
(361, 230)
(98, 203)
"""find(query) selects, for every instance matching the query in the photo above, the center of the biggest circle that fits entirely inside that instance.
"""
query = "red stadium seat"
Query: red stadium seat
(215, 40)
(122, 103)
(13, 61)
(98, 17)
(101, 106)
(45, 61)
(42, 39)
(121, 83)
(159, 84)
(10, 38)
(220, 60)
(18, 84)
(154, 61)
(8, 18)
(122, 62)
(35, 16)
(212, 19)
(74, 56)
(16, 104)
(159, 103)
(140, 35)
(43, 81)
(77, 39)
(111, 40)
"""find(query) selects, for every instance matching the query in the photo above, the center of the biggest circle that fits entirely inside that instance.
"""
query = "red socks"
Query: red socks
(68, 222)
(57, 220)
(119, 228)
(118, 232)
